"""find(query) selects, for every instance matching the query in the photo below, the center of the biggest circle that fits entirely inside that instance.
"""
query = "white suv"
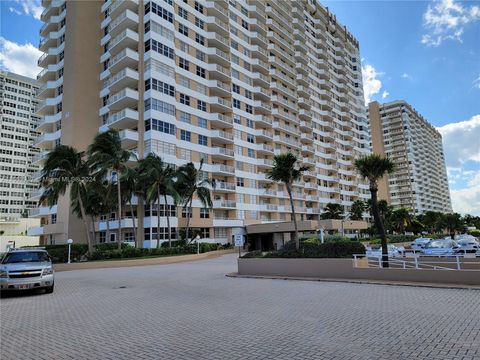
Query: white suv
(23, 269)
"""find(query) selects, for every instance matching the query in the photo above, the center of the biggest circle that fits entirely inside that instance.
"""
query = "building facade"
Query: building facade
(231, 83)
(420, 181)
(17, 153)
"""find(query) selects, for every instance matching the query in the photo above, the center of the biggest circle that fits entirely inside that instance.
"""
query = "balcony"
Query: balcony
(265, 149)
(216, 71)
(39, 158)
(47, 90)
(50, 40)
(262, 107)
(47, 140)
(264, 163)
(119, 5)
(227, 222)
(219, 88)
(222, 186)
(224, 204)
(47, 106)
(43, 211)
(125, 58)
(222, 153)
(214, 8)
(50, 56)
(124, 78)
(263, 120)
(126, 39)
(221, 137)
(126, 118)
(47, 123)
(308, 149)
(222, 170)
(221, 120)
(127, 19)
(128, 138)
(218, 56)
(122, 99)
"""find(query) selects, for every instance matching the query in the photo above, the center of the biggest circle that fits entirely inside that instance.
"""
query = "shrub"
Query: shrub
(59, 253)
(110, 246)
(252, 254)
(474, 232)
(175, 243)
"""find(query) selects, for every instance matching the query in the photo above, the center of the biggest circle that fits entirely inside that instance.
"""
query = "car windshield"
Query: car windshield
(25, 256)
(439, 244)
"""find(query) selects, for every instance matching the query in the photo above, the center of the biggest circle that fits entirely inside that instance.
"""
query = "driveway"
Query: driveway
(193, 311)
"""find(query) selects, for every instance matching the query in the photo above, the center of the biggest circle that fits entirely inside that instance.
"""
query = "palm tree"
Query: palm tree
(66, 169)
(400, 219)
(373, 167)
(158, 178)
(107, 155)
(356, 212)
(93, 198)
(192, 182)
(332, 211)
(286, 170)
(452, 223)
(132, 186)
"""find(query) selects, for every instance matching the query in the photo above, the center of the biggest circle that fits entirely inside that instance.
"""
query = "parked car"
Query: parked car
(23, 269)
(467, 244)
(419, 244)
(393, 251)
(439, 247)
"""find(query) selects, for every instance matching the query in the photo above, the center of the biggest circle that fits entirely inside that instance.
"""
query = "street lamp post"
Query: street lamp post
(198, 244)
(69, 242)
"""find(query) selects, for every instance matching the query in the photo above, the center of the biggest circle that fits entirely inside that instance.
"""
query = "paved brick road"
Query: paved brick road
(192, 311)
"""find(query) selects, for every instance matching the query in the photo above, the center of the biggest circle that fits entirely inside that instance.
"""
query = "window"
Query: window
(250, 138)
(236, 103)
(244, 24)
(183, 13)
(182, 29)
(236, 88)
(185, 135)
(202, 140)
(198, 7)
(156, 9)
(250, 153)
(200, 39)
(183, 46)
(250, 123)
(159, 105)
(200, 55)
(199, 23)
(158, 125)
(202, 123)
(201, 105)
(185, 212)
(237, 119)
(185, 154)
(184, 64)
(240, 182)
(185, 117)
(200, 72)
(249, 109)
(248, 94)
(204, 213)
(160, 86)
(160, 48)
(204, 233)
(102, 236)
(185, 99)
(184, 81)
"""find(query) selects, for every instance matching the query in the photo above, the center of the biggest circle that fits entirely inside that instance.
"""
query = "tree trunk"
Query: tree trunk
(294, 218)
(84, 219)
(133, 222)
(119, 199)
(158, 220)
(167, 212)
(379, 224)
(107, 237)
(93, 229)
(189, 210)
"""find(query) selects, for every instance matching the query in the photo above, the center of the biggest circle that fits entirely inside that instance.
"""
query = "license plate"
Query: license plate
(24, 287)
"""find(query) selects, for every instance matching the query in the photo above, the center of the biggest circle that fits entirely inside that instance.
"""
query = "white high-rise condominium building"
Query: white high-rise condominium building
(420, 181)
(17, 154)
(229, 82)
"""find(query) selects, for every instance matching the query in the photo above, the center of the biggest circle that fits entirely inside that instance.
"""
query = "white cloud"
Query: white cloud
(385, 94)
(461, 144)
(476, 82)
(28, 7)
(18, 58)
(446, 19)
(371, 82)
(407, 76)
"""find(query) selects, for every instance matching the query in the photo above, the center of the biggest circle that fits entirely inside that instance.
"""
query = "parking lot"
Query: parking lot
(192, 311)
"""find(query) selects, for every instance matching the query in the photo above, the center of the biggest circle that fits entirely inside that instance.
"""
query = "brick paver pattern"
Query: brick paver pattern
(193, 311)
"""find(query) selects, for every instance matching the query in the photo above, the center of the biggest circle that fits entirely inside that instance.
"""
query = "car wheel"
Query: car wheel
(49, 290)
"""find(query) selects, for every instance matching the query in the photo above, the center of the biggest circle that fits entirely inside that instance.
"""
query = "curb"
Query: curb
(353, 281)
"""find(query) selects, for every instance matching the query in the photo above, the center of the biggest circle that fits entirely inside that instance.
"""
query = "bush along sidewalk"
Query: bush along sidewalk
(339, 249)
(105, 251)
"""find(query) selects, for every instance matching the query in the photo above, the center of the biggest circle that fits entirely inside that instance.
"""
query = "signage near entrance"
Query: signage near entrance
(239, 240)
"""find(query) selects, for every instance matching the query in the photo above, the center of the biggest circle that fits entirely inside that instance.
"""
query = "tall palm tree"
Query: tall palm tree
(452, 223)
(106, 155)
(286, 170)
(92, 203)
(373, 167)
(356, 212)
(132, 186)
(192, 182)
(66, 169)
(332, 211)
(158, 178)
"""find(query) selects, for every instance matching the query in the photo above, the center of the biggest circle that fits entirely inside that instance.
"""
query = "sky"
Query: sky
(425, 52)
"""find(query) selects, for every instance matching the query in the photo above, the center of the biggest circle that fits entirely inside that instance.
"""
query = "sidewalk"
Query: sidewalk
(141, 262)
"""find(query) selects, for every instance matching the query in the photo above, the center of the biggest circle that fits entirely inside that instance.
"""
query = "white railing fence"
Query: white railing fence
(422, 262)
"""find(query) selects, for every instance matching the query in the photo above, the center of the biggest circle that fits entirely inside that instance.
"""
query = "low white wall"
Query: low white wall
(17, 241)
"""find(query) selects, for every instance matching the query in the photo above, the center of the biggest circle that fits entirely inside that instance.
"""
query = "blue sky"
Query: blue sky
(426, 52)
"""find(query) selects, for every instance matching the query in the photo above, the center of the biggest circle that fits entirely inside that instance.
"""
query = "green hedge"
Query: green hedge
(339, 249)
(474, 232)
(59, 253)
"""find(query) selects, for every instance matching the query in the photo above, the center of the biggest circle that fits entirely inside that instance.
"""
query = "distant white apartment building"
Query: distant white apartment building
(17, 154)
(231, 83)
(420, 181)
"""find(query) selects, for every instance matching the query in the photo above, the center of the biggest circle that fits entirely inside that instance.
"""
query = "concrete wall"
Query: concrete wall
(18, 227)
(343, 269)
(8, 241)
